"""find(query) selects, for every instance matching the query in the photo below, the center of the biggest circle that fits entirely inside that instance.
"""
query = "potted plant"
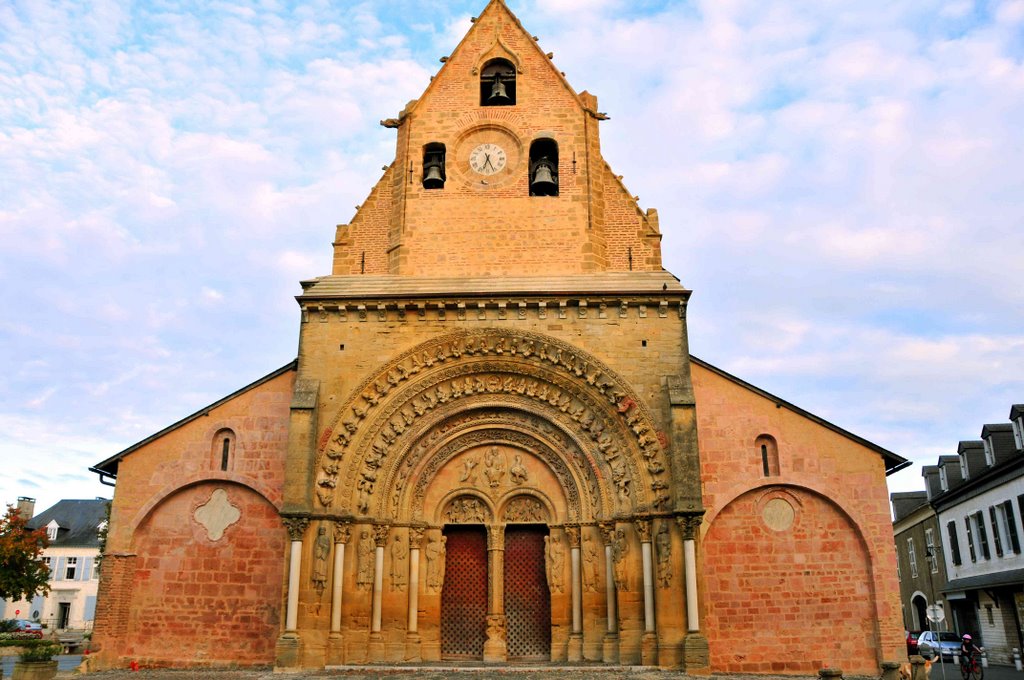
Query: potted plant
(36, 661)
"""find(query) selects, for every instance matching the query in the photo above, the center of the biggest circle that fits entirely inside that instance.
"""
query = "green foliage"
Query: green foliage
(39, 650)
(7, 625)
(22, 572)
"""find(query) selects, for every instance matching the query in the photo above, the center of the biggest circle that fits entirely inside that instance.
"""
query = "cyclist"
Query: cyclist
(967, 649)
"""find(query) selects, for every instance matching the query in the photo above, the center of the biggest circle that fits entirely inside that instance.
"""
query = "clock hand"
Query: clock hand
(487, 161)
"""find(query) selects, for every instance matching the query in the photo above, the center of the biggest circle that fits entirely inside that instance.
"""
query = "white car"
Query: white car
(929, 641)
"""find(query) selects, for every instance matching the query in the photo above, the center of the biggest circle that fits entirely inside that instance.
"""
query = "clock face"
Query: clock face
(487, 159)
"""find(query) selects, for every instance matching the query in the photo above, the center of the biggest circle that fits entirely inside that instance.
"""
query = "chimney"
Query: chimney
(26, 506)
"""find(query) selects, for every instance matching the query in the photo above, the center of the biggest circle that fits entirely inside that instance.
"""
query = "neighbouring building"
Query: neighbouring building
(494, 444)
(73, 528)
(920, 568)
(977, 498)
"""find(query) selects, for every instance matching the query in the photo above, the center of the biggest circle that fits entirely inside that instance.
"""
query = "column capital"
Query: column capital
(496, 537)
(342, 531)
(572, 533)
(296, 525)
(416, 537)
(689, 524)
(380, 534)
(643, 527)
(607, 530)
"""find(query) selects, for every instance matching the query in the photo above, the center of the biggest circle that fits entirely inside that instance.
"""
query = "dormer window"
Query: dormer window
(433, 166)
(51, 530)
(1018, 433)
(544, 167)
(990, 455)
(498, 83)
(963, 468)
(943, 481)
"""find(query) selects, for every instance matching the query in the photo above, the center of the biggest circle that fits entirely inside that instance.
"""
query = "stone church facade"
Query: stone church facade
(494, 445)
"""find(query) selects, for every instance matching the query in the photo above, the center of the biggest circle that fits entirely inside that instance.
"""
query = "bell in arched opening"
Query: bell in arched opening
(433, 166)
(498, 83)
(544, 167)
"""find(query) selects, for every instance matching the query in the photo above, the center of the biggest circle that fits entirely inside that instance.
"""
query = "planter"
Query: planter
(34, 670)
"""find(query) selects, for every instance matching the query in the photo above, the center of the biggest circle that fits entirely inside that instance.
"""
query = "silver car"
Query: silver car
(930, 641)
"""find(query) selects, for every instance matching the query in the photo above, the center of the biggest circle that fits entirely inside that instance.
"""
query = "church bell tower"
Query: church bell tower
(492, 444)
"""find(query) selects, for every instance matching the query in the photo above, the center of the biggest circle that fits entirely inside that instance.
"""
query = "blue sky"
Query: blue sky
(839, 183)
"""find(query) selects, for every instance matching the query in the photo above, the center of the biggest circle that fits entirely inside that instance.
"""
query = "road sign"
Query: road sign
(936, 614)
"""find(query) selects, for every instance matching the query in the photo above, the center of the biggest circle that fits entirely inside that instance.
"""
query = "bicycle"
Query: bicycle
(971, 669)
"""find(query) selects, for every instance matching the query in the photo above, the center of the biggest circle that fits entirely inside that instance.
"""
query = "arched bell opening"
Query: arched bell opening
(434, 174)
(498, 83)
(544, 167)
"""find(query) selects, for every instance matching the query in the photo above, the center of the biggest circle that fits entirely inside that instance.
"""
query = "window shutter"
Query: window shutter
(58, 575)
(86, 563)
(90, 608)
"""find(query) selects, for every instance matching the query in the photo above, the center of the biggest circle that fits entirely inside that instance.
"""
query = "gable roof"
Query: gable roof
(492, 7)
(108, 468)
(79, 522)
(893, 462)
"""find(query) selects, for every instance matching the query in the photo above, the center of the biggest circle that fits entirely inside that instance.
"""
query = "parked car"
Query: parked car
(30, 627)
(912, 636)
(930, 641)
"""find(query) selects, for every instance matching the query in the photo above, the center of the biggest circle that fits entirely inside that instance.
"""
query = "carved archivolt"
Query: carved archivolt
(578, 391)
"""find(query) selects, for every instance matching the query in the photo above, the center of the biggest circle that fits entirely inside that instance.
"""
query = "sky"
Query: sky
(839, 183)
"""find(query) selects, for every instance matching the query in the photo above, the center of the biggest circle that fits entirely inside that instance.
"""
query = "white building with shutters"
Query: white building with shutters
(73, 527)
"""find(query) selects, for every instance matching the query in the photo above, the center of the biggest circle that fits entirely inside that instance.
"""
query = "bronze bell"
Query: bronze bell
(432, 178)
(545, 181)
(498, 93)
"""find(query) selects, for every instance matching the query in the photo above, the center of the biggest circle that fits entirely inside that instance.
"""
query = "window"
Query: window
(970, 539)
(769, 453)
(997, 538)
(963, 467)
(434, 175)
(990, 451)
(899, 574)
(979, 519)
(51, 530)
(544, 167)
(223, 450)
(70, 567)
(930, 551)
(498, 83)
(912, 558)
(1011, 526)
(46, 561)
(1018, 433)
(943, 481)
(954, 543)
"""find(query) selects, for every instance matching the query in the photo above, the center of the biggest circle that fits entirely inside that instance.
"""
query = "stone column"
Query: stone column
(376, 650)
(412, 637)
(287, 652)
(336, 641)
(649, 641)
(496, 646)
(611, 637)
(695, 645)
(575, 652)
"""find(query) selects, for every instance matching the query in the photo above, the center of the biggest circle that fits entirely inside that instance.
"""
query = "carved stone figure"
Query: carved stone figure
(663, 541)
(620, 547)
(321, 551)
(555, 563)
(399, 572)
(518, 473)
(365, 558)
(469, 471)
(494, 466)
(591, 579)
(435, 554)
(524, 509)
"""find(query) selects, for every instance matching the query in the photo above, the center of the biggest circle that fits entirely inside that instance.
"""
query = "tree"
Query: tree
(23, 574)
